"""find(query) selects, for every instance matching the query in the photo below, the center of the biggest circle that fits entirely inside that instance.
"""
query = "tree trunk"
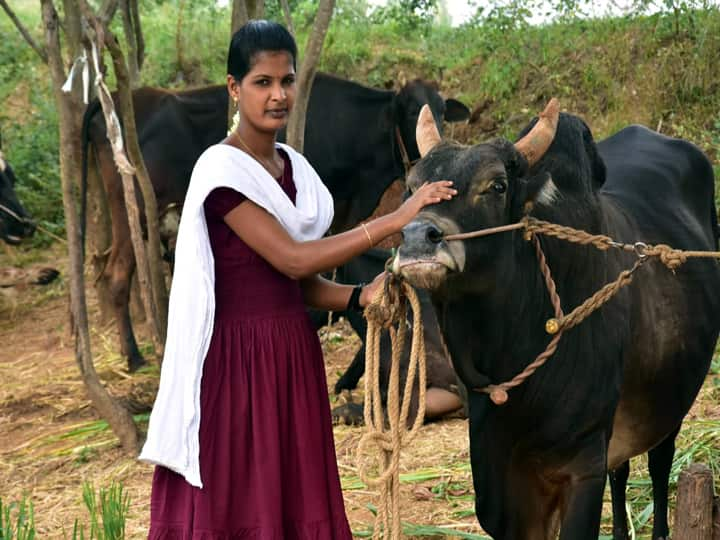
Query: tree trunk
(296, 125)
(68, 107)
(716, 519)
(239, 15)
(693, 511)
(98, 236)
(157, 304)
(139, 39)
(131, 40)
(288, 16)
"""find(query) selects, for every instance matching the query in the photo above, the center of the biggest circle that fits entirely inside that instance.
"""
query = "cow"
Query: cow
(620, 382)
(174, 128)
(443, 394)
(15, 222)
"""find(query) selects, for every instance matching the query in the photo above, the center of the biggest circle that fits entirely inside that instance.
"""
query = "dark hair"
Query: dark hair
(254, 37)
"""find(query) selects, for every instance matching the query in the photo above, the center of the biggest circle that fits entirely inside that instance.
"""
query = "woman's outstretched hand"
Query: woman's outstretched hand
(369, 290)
(428, 193)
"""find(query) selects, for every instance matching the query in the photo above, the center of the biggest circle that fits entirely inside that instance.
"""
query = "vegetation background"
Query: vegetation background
(656, 65)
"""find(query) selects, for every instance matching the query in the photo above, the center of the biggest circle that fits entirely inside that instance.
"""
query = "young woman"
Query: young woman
(241, 431)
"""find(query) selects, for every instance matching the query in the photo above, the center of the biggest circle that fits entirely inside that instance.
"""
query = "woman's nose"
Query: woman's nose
(279, 93)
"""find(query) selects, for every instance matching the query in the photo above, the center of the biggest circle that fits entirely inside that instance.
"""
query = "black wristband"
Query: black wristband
(354, 301)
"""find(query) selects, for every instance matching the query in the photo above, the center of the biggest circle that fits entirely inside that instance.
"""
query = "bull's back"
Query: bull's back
(664, 188)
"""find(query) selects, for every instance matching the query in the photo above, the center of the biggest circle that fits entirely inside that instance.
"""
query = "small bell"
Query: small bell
(498, 396)
(552, 326)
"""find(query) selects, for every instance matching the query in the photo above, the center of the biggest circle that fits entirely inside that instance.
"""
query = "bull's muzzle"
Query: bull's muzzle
(424, 259)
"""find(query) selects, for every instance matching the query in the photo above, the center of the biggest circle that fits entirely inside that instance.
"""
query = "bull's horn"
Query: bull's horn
(426, 132)
(534, 145)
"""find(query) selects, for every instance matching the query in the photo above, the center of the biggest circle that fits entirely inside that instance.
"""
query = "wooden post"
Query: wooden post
(694, 509)
(716, 519)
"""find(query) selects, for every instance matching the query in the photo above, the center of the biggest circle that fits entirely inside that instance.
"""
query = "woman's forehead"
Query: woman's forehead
(272, 62)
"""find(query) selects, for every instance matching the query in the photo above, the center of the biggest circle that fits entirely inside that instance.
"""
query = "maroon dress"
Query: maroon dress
(267, 459)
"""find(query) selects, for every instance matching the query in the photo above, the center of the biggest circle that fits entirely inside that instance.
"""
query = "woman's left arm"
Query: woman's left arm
(322, 293)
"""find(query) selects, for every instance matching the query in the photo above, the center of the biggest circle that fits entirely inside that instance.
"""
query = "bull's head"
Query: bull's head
(494, 189)
(15, 223)
(409, 101)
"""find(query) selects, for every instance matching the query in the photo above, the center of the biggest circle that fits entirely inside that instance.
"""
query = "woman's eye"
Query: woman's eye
(499, 187)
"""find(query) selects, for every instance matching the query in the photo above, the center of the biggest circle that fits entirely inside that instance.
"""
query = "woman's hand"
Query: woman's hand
(369, 290)
(428, 193)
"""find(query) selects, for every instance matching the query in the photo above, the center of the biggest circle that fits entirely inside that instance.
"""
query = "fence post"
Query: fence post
(694, 509)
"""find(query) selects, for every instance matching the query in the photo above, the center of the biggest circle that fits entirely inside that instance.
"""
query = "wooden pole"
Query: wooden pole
(694, 509)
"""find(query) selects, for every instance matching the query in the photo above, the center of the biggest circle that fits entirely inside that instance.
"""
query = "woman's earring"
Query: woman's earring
(236, 117)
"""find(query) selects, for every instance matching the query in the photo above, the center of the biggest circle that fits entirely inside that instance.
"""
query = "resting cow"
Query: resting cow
(621, 382)
(442, 395)
(15, 223)
(350, 139)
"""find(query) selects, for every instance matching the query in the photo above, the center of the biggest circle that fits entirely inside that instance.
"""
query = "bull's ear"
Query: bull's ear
(455, 111)
(515, 163)
(538, 189)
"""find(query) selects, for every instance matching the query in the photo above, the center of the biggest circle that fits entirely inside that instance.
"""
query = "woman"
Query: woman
(259, 462)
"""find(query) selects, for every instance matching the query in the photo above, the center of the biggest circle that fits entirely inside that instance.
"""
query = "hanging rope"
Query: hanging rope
(388, 310)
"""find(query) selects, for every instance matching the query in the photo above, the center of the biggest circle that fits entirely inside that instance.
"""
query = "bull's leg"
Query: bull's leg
(584, 508)
(660, 461)
(119, 273)
(349, 379)
(618, 485)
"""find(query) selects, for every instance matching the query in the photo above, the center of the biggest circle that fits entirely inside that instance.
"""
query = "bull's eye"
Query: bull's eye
(499, 187)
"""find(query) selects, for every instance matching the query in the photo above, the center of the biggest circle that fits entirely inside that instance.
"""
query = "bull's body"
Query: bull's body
(619, 383)
(15, 222)
(350, 139)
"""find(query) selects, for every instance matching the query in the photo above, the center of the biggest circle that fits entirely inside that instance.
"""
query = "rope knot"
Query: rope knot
(388, 307)
(672, 258)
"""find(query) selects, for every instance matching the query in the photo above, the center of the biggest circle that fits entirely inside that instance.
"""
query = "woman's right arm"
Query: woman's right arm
(266, 236)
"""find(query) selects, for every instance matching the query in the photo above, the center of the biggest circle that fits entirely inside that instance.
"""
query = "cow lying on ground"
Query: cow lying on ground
(15, 223)
(442, 395)
(621, 382)
(350, 139)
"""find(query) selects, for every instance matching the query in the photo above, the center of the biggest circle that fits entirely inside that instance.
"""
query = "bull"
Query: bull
(619, 383)
(174, 128)
(15, 222)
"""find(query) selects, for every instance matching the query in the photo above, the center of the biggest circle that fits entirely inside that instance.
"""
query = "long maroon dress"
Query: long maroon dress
(267, 459)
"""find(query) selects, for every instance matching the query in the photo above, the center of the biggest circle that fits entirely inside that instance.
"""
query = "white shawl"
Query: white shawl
(173, 433)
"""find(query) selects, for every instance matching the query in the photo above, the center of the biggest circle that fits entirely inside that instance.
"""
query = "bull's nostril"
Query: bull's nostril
(434, 235)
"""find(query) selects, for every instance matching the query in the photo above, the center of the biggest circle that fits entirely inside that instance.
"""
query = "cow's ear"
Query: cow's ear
(538, 189)
(455, 111)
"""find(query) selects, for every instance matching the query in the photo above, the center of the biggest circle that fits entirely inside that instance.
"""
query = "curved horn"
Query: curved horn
(426, 132)
(534, 145)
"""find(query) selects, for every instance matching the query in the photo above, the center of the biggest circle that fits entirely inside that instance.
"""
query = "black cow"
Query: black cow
(621, 382)
(15, 222)
(350, 139)
(442, 392)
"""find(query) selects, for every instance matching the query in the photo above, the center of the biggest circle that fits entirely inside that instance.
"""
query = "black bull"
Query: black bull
(15, 222)
(350, 139)
(621, 381)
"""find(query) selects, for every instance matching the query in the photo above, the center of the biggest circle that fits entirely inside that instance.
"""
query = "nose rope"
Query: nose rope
(14, 215)
(670, 257)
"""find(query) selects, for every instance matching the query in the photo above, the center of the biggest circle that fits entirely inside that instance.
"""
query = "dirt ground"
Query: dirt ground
(51, 441)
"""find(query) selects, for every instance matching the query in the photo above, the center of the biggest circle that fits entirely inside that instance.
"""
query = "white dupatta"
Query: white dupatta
(173, 433)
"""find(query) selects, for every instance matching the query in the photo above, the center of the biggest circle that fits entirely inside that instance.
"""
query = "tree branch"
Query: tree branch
(37, 48)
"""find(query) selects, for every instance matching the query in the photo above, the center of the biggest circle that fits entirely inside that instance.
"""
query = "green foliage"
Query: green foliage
(107, 519)
(17, 521)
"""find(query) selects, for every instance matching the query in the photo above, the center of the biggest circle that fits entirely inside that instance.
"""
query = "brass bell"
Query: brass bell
(552, 326)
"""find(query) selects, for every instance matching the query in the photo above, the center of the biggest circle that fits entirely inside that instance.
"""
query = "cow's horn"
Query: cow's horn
(426, 132)
(534, 145)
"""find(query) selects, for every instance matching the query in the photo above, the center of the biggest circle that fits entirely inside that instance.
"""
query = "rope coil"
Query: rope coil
(388, 310)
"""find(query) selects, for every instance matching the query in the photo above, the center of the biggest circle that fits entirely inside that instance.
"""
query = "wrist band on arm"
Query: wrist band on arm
(367, 233)
(354, 301)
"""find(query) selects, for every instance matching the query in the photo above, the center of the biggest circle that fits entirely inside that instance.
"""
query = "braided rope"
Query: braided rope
(670, 257)
(388, 309)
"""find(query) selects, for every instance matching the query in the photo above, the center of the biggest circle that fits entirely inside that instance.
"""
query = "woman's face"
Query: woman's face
(266, 94)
